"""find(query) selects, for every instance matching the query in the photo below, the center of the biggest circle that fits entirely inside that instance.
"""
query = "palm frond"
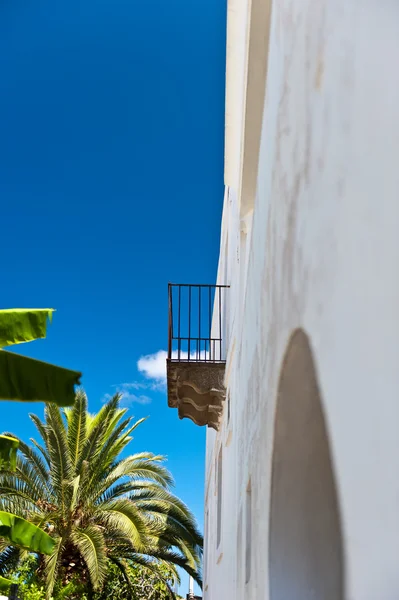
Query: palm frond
(61, 466)
(9, 559)
(144, 466)
(162, 503)
(16, 505)
(166, 537)
(97, 432)
(42, 429)
(116, 442)
(91, 545)
(51, 567)
(123, 441)
(107, 456)
(11, 486)
(27, 472)
(43, 451)
(76, 419)
(123, 516)
(35, 461)
(176, 559)
(107, 412)
(40, 426)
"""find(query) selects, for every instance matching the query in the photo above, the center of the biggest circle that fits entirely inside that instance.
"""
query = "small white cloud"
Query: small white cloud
(128, 397)
(132, 385)
(153, 366)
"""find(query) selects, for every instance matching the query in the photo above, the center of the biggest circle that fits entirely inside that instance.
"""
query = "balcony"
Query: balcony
(196, 352)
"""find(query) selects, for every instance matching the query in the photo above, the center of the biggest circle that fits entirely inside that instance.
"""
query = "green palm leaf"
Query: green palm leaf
(52, 565)
(9, 559)
(35, 461)
(123, 516)
(91, 545)
(76, 419)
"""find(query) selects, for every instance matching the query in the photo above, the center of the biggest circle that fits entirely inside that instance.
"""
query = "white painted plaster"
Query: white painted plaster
(322, 255)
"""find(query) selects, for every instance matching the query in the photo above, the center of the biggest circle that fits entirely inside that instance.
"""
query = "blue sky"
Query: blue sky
(111, 185)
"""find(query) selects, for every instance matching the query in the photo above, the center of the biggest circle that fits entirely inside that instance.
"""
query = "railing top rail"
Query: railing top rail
(204, 285)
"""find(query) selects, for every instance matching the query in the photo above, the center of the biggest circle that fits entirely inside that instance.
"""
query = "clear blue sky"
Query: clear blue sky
(111, 185)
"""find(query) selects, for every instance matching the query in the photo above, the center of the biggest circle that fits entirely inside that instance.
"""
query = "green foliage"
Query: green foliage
(18, 325)
(8, 453)
(4, 584)
(21, 572)
(26, 379)
(24, 534)
(32, 591)
(101, 509)
(144, 585)
(136, 583)
(29, 587)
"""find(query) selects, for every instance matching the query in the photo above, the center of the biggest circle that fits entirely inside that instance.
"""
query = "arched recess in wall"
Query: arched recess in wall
(256, 76)
(243, 125)
(305, 544)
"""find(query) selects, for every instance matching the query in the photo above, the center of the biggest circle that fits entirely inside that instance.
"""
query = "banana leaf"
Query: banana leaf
(30, 380)
(5, 584)
(18, 325)
(24, 534)
(8, 453)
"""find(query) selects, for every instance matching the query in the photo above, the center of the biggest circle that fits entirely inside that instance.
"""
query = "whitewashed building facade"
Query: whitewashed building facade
(302, 462)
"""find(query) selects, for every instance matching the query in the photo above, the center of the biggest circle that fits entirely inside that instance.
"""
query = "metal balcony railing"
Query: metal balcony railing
(195, 322)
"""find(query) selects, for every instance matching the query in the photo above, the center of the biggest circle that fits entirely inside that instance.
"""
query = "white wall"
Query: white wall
(323, 255)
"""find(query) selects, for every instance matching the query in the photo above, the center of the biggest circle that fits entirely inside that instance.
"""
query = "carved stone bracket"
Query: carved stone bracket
(197, 390)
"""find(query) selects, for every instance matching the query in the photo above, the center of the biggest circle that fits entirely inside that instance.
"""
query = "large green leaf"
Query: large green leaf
(26, 379)
(8, 453)
(19, 325)
(24, 534)
(5, 584)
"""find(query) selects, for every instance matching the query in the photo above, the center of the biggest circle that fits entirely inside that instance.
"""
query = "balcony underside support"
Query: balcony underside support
(197, 390)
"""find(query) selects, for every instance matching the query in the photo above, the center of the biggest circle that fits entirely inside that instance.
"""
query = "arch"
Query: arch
(305, 541)
(247, 34)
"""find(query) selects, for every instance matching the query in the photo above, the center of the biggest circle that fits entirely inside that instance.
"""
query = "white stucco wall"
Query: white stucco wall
(322, 255)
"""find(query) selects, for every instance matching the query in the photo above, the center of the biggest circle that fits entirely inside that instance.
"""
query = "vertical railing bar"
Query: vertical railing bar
(170, 322)
(210, 321)
(220, 323)
(199, 320)
(171, 312)
(189, 323)
(178, 326)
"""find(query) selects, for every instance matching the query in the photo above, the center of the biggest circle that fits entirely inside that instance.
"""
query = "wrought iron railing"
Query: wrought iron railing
(196, 322)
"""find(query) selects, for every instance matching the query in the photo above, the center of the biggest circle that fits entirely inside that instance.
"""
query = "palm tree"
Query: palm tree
(98, 506)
